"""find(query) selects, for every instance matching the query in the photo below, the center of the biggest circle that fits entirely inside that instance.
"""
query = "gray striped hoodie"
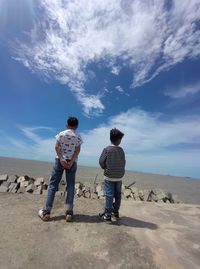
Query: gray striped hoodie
(112, 160)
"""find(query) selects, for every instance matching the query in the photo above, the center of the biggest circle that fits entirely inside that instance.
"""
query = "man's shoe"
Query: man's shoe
(44, 214)
(105, 217)
(69, 216)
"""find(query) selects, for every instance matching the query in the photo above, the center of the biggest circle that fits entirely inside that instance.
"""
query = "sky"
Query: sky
(132, 65)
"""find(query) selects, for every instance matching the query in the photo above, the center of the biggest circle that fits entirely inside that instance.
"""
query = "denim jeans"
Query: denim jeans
(55, 180)
(112, 190)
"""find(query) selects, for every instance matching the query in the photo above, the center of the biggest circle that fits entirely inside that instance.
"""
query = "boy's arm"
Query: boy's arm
(102, 159)
(74, 156)
(59, 153)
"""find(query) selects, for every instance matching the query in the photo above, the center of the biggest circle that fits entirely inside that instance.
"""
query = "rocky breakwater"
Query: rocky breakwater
(26, 184)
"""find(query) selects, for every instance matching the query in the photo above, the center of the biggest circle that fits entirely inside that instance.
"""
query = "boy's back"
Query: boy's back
(112, 160)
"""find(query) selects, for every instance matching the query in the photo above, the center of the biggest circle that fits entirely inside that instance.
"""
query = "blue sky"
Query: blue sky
(133, 65)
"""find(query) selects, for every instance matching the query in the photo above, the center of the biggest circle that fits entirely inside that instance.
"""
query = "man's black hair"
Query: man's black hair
(115, 135)
(72, 121)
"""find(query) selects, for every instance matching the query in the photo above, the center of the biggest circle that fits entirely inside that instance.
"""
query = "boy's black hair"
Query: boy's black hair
(115, 135)
(72, 121)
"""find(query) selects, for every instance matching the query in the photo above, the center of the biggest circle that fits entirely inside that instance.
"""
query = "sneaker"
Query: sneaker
(69, 216)
(44, 214)
(105, 217)
(115, 215)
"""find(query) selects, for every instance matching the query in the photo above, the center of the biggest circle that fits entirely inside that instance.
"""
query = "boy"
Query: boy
(112, 160)
(68, 145)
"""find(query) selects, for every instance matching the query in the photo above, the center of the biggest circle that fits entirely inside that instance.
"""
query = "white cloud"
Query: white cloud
(115, 70)
(144, 35)
(119, 89)
(185, 91)
(150, 144)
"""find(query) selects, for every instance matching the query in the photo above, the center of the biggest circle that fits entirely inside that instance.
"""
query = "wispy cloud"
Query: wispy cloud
(119, 89)
(151, 144)
(185, 91)
(147, 36)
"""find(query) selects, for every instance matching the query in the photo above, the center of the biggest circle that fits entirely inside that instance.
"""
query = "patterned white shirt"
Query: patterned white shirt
(69, 140)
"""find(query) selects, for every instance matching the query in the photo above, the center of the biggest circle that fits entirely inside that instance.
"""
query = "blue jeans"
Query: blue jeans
(55, 180)
(112, 190)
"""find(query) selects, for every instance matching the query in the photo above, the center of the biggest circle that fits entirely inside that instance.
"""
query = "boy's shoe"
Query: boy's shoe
(105, 217)
(44, 214)
(69, 216)
(115, 215)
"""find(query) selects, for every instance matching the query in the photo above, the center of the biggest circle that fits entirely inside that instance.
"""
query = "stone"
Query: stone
(39, 181)
(24, 183)
(45, 192)
(23, 178)
(173, 198)
(5, 184)
(144, 194)
(127, 193)
(60, 193)
(46, 182)
(79, 192)
(30, 188)
(13, 187)
(62, 187)
(98, 188)
(86, 192)
(3, 177)
(78, 185)
(3, 188)
(38, 190)
(21, 190)
(159, 194)
(12, 179)
(93, 196)
(101, 195)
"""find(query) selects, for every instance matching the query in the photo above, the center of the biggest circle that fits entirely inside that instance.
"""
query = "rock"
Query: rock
(3, 177)
(135, 194)
(62, 187)
(45, 192)
(38, 190)
(46, 182)
(159, 194)
(12, 179)
(86, 192)
(93, 196)
(23, 178)
(144, 194)
(30, 188)
(173, 198)
(79, 192)
(39, 181)
(5, 184)
(21, 190)
(60, 193)
(13, 187)
(127, 193)
(24, 184)
(3, 188)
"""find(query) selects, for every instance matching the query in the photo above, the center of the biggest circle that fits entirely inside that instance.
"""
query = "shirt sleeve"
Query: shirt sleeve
(79, 140)
(58, 136)
(102, 159)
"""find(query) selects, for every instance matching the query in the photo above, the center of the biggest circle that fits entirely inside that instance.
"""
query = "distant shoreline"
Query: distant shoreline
(96, 167)
(187, 190)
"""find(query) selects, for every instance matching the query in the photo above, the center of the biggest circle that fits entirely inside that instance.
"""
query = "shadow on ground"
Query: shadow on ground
(123, 221)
